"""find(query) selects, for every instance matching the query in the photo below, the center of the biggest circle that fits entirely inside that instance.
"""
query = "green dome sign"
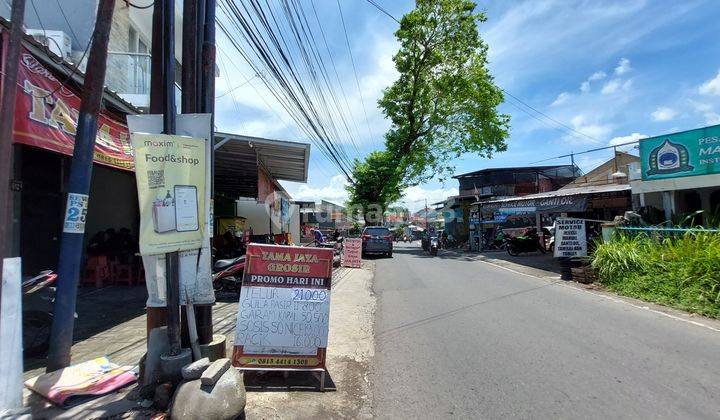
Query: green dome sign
(688, 153)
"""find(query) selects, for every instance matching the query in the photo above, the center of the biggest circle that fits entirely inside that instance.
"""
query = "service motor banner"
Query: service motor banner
(284, 308)
(170, 175)
(352, 252)
(46, 115)
(688, 153)
(570, 237)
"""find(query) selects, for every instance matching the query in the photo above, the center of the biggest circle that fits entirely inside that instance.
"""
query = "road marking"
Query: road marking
(610, 298)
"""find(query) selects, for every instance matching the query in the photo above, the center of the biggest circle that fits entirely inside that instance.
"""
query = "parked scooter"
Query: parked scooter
(228, 274)
(37, 315)
(528, 242)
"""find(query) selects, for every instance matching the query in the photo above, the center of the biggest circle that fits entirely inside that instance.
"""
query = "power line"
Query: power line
(614, 146)
(255, 32)
(352, 61)
(550, 118)
(383, 10)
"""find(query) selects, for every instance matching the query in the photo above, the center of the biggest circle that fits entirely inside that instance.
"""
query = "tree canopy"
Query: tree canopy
(443, 104)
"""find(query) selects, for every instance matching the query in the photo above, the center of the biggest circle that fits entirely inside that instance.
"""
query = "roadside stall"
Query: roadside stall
(515, 214)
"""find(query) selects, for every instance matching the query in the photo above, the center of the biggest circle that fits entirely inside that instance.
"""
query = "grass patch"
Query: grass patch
(682, 272)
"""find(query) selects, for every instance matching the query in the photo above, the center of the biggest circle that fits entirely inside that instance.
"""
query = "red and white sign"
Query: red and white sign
(352, 252)
(284, 308)
(46, 114)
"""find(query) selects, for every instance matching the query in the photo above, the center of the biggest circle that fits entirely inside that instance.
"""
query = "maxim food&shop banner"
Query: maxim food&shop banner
(170, 174)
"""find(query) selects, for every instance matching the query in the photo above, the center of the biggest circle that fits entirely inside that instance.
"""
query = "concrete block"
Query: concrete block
(171, 365)
(216, 349)
(215, 371)
(195, 369)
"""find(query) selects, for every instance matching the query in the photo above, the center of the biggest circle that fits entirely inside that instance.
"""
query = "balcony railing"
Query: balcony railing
(128, 73)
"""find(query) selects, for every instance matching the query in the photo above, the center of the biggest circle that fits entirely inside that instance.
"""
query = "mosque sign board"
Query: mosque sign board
(688, 153)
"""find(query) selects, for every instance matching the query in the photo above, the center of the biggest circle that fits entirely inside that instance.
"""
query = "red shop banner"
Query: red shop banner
(46, 116)
(284, 308)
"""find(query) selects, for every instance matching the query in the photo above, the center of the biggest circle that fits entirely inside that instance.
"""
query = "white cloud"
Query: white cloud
(664, 113)
(598, 75)
(711, 87)
(585, 86)
(333, 191)
(627, 139)
(592, 128)
(414, 197)
(611, 87)
(623, 66)
(707, 111)
(616, 85)
(561, 99)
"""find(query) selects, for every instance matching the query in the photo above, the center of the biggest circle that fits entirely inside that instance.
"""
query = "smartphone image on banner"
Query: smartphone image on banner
(186, 208)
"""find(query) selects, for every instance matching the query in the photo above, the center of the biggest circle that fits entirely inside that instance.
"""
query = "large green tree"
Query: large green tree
(443, 104)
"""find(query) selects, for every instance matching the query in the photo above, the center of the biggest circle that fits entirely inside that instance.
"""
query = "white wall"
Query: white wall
(294, 225)
(257, 215)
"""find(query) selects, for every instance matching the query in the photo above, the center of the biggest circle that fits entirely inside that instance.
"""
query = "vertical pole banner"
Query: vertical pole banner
(195, 265)
(170, 173)
(352, 252)
(284, 308)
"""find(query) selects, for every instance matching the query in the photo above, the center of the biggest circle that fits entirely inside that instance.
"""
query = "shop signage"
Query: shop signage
(570, 237)
(563, 204)
(46, 115)
(688, 153)
(352, 252)
(170, 175)
(75, 213)
(284, 309)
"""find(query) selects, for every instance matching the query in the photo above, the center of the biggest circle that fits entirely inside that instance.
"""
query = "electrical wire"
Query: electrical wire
(352, 61)
(140, 7)
(265, 44)
(383, 10)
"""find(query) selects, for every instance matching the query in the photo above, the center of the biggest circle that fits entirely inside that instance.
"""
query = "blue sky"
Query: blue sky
(612, 70)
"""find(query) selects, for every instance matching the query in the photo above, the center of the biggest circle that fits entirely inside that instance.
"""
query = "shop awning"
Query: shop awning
(562, 200)
(238, 157)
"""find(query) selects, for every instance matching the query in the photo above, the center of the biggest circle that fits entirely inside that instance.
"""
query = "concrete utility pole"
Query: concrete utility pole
(172, 259)
(156, 316)
(71, 242)
(7, 104)
(207, 105)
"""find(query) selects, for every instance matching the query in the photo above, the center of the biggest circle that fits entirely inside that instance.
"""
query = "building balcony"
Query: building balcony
(128, 74)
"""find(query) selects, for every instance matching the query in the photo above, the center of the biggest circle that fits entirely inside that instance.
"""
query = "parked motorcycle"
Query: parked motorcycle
(228, 274)
(37, 315)
(529, 242)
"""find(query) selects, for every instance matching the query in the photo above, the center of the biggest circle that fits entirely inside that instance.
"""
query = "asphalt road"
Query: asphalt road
(466, 339)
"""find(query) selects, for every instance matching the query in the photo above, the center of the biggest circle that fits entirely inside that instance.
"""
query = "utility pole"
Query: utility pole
(71, 242)
(172, 259)
(427, 227)
(7, 104)
(156, 316)
(207, 105)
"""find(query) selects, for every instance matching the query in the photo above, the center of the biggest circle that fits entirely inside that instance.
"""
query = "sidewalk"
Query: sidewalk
(121, 311)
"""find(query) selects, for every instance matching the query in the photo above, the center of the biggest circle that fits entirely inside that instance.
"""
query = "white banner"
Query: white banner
(570, 238)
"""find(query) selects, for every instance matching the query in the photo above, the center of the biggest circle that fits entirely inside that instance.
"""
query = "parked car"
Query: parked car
(377, 240)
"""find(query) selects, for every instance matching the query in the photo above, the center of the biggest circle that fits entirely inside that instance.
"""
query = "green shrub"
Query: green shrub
(682, 271)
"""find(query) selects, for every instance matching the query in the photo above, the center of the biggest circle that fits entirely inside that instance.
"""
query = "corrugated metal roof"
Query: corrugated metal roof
(564, 192)
(283, 160)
